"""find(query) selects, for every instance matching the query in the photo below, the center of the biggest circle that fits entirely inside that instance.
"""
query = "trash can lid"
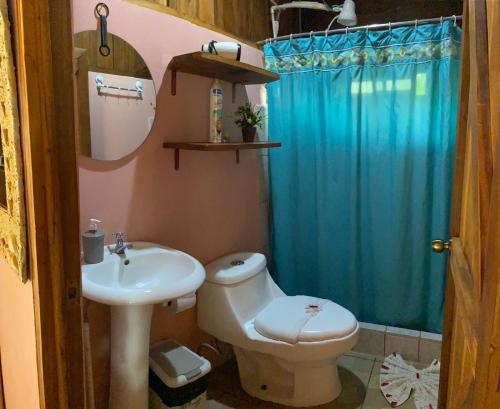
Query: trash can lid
(176, 365)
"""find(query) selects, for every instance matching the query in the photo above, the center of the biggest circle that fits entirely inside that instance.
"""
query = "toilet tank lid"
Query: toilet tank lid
(234, 268)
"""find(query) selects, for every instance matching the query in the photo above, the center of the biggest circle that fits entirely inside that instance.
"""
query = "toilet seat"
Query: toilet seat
(304, 319)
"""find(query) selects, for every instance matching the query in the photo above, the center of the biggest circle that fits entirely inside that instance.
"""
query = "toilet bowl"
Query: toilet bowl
(286, 347)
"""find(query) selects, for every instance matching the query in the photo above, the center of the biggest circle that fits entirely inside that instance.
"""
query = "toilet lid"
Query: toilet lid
(304, 319)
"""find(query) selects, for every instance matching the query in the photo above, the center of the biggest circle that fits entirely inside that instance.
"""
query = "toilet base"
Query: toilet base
(273, 379)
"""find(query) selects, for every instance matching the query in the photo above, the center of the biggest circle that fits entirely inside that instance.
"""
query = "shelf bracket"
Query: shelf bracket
(237, 151)
(176, 159)
(173, 83)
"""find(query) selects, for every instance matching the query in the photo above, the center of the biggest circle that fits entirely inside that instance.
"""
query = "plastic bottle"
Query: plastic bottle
(215, 131)
(93, 243)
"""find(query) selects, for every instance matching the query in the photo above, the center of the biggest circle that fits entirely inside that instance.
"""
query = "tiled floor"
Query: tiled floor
(358, 372)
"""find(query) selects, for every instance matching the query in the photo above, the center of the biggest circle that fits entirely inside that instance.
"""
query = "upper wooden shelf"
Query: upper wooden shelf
(214, 66)
(217, 147)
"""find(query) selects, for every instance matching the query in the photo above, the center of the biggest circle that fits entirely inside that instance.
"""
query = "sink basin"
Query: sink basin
(131, 284)
(147, 274)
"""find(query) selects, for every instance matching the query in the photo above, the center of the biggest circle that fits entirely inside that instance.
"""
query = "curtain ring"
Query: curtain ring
(291, 36)
(346, 30)
(441, 20)
(390, 27)
(416, 23)
(454, 20)
(311, 35)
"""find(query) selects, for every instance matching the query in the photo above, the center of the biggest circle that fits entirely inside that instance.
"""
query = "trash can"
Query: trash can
(177, 377)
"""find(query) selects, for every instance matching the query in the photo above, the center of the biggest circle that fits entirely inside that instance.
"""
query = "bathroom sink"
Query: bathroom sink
(131, 284)
(146, 274)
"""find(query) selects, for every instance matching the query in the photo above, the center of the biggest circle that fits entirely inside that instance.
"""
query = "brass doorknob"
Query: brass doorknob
(439, 246)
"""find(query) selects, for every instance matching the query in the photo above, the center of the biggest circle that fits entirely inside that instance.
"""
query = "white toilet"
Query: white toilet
(286, 347)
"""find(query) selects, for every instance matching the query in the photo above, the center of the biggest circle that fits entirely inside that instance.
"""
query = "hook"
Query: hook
(347, 30)
(441, 20)
(390, 27)
(454, 20)
(102, 12)
(416, 23)
(291, 36)
(311, 35)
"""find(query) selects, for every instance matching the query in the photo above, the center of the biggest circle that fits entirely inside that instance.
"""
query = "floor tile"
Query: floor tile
(364, 355)
(373, 327)
(403, 331)
(358, 372)
(405, 346)
(428, 351)
(224, 386)
(371, 341)
(211, 404)
(431, 336)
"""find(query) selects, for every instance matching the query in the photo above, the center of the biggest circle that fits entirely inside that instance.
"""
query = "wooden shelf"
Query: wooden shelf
(214, 66)
(217, 147)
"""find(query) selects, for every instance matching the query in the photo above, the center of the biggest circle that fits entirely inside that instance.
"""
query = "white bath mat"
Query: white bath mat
(398, 379)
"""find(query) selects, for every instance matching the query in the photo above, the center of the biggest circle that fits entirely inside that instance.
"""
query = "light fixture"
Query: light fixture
(347, 16)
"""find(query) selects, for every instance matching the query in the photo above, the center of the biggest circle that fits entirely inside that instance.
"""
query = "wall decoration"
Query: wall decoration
(12, 210)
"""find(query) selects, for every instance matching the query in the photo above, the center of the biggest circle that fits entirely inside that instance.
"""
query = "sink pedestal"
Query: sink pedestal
(130, 329)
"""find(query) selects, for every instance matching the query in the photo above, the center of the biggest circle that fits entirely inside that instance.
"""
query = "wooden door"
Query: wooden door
(471, 362)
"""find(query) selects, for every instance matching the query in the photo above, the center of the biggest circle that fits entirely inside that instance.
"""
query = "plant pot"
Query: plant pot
(249, 133)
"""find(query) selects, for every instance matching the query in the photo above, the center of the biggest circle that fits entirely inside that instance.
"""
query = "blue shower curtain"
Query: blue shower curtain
(362, 183)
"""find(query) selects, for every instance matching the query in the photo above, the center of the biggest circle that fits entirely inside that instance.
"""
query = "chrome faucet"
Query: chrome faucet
(120, 245)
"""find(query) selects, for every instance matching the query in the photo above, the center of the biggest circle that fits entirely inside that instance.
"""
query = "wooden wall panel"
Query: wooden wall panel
(371, 12)
(246, 20)
(250, 19)
(123, 59)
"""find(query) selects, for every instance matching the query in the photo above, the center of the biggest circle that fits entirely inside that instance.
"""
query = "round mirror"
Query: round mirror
(116, 97)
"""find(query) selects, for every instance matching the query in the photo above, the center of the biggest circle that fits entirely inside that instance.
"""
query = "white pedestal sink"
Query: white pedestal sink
(131, 284)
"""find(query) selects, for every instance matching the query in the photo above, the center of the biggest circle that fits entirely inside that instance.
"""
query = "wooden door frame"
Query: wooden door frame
(43, 43)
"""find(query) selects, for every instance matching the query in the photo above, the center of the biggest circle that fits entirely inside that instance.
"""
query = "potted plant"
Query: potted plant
(248, 119)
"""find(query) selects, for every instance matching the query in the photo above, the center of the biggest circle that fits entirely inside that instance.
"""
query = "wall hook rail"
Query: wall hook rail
(99, 81)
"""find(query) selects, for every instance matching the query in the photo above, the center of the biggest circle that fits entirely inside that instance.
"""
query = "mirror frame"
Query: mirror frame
(111, 37)
(12, 218)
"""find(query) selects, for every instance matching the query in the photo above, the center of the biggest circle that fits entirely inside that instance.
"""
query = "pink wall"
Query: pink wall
(17, 341)
(208, 208)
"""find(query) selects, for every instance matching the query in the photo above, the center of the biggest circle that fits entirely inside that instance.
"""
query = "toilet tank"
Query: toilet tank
(237, 287)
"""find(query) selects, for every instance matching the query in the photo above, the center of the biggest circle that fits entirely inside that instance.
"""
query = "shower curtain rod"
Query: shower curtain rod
(367, 27)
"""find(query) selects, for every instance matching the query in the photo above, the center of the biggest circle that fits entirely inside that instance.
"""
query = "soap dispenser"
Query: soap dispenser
(93, 243)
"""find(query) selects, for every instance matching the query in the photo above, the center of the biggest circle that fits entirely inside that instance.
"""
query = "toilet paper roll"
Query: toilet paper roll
(180, 304)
